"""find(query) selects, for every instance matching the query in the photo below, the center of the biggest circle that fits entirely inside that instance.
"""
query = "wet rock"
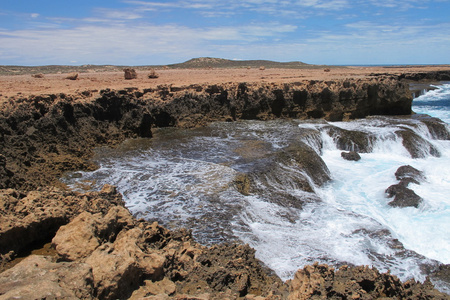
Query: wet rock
(438, 129)
(410, 173)
(351, 140)
(352, 155)
(38, 277)
(442, 276)
(242, 182)
(403, 196)
(416, 145)
(307, 160)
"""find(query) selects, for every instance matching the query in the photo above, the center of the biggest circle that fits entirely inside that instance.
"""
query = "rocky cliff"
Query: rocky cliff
(100, 251)
(43, 136)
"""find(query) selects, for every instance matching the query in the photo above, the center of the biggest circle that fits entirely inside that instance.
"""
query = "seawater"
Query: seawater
(184, 178)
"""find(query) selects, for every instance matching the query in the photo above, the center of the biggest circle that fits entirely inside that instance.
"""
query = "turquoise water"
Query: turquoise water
(435, 103)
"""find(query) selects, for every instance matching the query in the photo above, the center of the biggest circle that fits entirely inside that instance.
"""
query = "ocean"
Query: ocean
(185, 178)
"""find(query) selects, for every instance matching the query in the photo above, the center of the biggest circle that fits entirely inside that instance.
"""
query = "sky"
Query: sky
(135, 32)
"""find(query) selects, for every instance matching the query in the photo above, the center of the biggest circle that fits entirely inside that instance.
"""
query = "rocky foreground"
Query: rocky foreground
(99, 251)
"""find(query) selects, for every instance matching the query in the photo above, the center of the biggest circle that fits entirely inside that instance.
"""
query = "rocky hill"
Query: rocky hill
(210, 62)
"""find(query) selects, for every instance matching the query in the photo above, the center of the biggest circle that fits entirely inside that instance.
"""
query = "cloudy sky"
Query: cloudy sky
(134, 32)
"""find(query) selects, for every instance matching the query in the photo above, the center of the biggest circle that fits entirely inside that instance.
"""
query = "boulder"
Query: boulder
(352, 155)
(72, 76)
(130, 73)
(410, 173)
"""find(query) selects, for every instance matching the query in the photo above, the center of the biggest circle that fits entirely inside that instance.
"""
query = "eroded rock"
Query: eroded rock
(323, 282)
(26, 218)
(39, 277)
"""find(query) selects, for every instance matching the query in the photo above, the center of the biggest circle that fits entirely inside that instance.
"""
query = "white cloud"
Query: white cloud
(122, 43)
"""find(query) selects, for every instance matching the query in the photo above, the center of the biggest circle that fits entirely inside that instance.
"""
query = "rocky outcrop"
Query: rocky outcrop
(105, 253)
(29, 218)
(323, 282)
(403, 196)
(41, 277)
(43, 136)
(101, 250)
(427, 76)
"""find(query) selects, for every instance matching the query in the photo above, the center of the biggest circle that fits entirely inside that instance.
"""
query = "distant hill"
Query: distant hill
(195, 63)
(205, 62)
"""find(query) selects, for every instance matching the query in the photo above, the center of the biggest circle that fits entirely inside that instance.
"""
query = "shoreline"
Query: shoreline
(53, 133)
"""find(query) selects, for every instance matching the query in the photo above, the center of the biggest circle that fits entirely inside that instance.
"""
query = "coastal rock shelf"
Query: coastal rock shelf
(99, 251)
(43, 136)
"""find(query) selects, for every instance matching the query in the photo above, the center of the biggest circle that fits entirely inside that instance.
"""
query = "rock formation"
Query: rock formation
(102, 252)
(323, 282)
(403, 196)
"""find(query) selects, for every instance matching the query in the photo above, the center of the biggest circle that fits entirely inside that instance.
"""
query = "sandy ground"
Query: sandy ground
(25, 85)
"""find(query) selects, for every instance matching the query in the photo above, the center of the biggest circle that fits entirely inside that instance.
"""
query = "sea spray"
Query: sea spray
(185, 178)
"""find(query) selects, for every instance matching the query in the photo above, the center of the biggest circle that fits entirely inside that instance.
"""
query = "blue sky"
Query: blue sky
(135, 32)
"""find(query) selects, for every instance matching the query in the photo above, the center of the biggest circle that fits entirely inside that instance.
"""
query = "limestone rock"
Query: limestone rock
(26, 218)
(163, 289)
(78, 239)
(119, 267)
(37, 277)
(323, 282)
